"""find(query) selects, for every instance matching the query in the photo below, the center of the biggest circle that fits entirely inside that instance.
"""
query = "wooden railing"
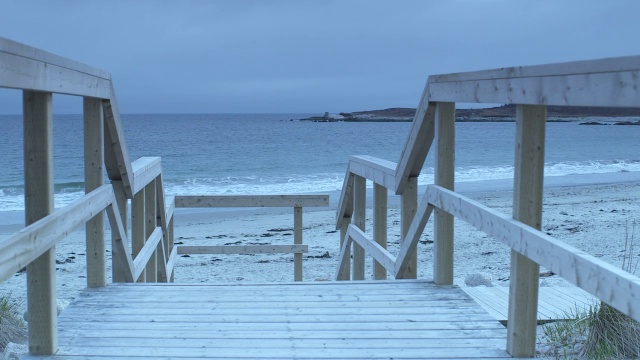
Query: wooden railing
(297, 202)
(607, 82)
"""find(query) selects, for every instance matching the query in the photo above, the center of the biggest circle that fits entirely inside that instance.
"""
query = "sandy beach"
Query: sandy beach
(593, 218)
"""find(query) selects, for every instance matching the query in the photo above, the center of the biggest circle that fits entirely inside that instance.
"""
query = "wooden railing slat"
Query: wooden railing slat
(224, 201)
(144, 255)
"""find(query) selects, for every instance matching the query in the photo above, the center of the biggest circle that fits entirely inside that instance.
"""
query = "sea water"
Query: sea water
(213, 154)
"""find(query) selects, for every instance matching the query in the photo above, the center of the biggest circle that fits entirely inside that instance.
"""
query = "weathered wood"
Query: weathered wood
(93, 179)
(138, 233)
(410, 241)
(28, 68)
(444, 176)
(447, 324)
(409, 202)
(172, 249)
(150, 207)
(145, 170)
(297, 239)
(359, 213)
(344, 262)
(418, 143)
(379, 171)
(118, 236)
(117, 159)
(122, 263)
(380, 195)
(380, 254)
(170, 207)
(145, 254)
(223, 201)
(345, 204)
(38, 199)
(527, 208)
(242, 249)
(171, 263)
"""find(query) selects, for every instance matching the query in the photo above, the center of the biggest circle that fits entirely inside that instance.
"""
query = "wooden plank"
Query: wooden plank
(297, 240)
(380, 195)
(410, 241)
(359, 212)
(145, 170)
(35, 75)
(345, 204)
(34, 240)
(380, 254)
(225, 201)
(144, 255)
(138, 233)
(117, 159)
(444, 176)
(379, 171)
(150, 206)
(170, 208)
(527, 208)
(615, 89)
(242, 249)
(418, 143)
(343, 270)
(119, 274)
(122, 263)
(94, 178)
(172, 260)
(607, 65)
(409, 203)
(39, 204)
(607, 282)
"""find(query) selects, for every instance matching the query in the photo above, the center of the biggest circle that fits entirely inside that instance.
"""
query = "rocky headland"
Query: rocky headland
(494, 114)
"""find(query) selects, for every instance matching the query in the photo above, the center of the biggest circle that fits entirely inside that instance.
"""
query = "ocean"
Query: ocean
(275, 154)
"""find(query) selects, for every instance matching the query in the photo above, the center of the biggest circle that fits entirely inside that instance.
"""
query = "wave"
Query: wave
(12, 196)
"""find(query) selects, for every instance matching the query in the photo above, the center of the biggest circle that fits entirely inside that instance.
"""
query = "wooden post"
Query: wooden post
(93, 179)
(138, 234)
(297, 240)
(38, 198)
(409, 200)
(343, 233)
(444, 176)
(121, 199)
(527, 208)
(150, 215)
(359, 213)
(170, 235)
(379, 226)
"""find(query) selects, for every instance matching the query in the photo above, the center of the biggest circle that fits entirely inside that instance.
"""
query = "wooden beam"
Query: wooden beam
(38, 199)
(418, 143)
(409, 203)
(93, 179)
(380, 254)
(609, 283)
(116, 152)
(527, 208)
(28, 68)
(145, 254)
(122, 263)
(359, 213)
(138, 233)
(242, 249)
(410, 241)
(117, 237)
(444, 176)
(343, 270)
(171, 263)
(145, 170)
(297, 239)
(380, 195)
(345, 204)
(225, 201)
(150, 207)
(379, 171)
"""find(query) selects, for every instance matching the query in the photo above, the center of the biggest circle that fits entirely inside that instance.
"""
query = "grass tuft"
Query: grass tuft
(12, 327)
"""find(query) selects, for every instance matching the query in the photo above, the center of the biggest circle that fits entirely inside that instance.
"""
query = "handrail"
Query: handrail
(605, 82)
(297, 202)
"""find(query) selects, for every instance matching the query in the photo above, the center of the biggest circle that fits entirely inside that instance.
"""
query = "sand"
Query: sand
(593, 218)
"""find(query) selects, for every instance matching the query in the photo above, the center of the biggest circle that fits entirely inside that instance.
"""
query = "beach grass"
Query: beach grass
(12, 327)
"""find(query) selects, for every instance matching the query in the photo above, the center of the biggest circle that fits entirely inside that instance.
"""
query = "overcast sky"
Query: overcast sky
(306, 56)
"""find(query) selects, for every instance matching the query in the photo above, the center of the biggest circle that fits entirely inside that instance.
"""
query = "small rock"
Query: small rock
(478, 279)
(13, 351)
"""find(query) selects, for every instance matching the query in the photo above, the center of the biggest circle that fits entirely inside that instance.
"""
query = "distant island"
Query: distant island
(494, 114)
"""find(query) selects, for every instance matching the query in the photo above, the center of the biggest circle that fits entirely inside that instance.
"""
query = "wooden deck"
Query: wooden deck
(406, 319)
(554, 303)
